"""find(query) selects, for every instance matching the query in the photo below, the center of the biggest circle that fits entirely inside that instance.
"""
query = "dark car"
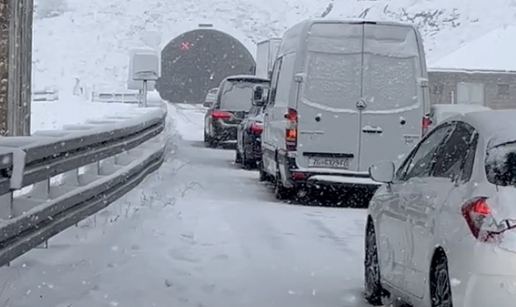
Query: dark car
(234, 99)
(249, 144)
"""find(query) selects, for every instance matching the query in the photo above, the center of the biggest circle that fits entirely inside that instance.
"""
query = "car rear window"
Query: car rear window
(501, 164)
(238, 95)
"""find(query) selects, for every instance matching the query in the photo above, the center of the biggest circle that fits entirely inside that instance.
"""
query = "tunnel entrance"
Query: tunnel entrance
(198, 60)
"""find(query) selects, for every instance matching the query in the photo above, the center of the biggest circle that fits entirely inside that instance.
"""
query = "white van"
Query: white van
(344, 95)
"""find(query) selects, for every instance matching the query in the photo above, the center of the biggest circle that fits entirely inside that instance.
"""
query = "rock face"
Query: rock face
(198, 60)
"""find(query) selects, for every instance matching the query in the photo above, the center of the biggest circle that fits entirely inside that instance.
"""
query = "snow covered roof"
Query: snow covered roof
(493, 51)
(492, 122)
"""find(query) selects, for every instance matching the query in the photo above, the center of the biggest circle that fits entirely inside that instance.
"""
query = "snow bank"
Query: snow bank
(53, 115)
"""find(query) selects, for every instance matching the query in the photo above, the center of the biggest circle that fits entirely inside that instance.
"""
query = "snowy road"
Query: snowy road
(200, 232)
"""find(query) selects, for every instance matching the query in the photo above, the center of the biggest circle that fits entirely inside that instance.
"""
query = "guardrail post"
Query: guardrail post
(71, 178)
(41, 190)
(90, 174)
(6, 207)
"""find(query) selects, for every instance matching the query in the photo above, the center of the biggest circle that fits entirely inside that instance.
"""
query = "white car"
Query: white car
(441, 230)
(440, 112)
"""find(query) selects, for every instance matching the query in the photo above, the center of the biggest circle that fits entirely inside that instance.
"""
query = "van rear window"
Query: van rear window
(384, 66)
(333, 80)
(391, 66)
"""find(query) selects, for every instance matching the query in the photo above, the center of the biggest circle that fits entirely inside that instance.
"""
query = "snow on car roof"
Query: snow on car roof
(460, 107)
(490, 123)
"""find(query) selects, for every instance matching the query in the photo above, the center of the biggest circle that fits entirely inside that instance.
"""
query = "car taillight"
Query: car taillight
(220, 114)
(291, 130)
(425, 125)
(482, 224)
(256, 128)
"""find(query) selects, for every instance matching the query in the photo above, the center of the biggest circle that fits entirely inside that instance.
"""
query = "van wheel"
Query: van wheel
(280, 191)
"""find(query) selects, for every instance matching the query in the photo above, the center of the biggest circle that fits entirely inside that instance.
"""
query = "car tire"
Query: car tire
(262, 174)
(246, 163)
(280, 191)
(213, 143)
(206, 137)
(238, 156)
(440, 286)
(372, 283)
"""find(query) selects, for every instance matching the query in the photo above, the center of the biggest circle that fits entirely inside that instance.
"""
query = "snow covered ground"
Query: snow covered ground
(198, 232)
(70, 110)
(53, 115)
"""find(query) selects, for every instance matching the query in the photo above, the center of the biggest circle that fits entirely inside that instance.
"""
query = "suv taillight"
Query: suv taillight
(291, 130)
(220, 114)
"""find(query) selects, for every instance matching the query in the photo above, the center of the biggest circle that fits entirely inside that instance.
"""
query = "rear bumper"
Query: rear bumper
(224, 132)
(295, 176)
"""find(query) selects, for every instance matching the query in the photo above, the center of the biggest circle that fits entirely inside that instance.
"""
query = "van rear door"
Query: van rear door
(327, 116)
(391, 119)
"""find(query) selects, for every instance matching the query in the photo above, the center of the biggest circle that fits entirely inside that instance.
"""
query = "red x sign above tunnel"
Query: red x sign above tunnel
(185, 46)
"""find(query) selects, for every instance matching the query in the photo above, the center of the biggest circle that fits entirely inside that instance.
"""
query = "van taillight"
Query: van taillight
(291, 130)
(425, 125)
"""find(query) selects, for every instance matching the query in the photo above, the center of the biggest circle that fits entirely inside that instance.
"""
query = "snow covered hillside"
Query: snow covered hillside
(90, 39)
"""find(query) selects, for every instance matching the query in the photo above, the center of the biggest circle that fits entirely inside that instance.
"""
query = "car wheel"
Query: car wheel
(238, 156)
(248, 164)
(262, 174)
(280, 191)
(213, 143)
(206, 137)
(440, 287)
(373, 286)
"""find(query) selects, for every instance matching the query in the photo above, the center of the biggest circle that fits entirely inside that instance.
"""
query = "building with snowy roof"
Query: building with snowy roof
(482, 71)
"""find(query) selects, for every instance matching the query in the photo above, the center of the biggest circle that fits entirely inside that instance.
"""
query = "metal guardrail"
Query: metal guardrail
(115, 97)
(116, 154)
(45, 95)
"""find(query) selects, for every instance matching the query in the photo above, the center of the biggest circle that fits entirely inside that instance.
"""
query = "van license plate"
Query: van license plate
(329, 162)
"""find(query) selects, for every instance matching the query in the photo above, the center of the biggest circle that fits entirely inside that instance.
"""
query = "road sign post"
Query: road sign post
(145, 69)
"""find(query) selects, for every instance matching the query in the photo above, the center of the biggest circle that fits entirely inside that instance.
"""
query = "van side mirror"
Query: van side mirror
(382, 172)
(258, 96)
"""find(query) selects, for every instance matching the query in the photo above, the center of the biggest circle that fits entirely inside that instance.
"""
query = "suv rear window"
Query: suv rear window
(238, 95)
(501, 164)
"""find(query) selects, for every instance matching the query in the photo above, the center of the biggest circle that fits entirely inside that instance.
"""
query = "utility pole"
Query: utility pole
(16, 18)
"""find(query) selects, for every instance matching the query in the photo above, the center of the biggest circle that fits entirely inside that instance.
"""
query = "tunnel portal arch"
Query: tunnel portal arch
(198, 60)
